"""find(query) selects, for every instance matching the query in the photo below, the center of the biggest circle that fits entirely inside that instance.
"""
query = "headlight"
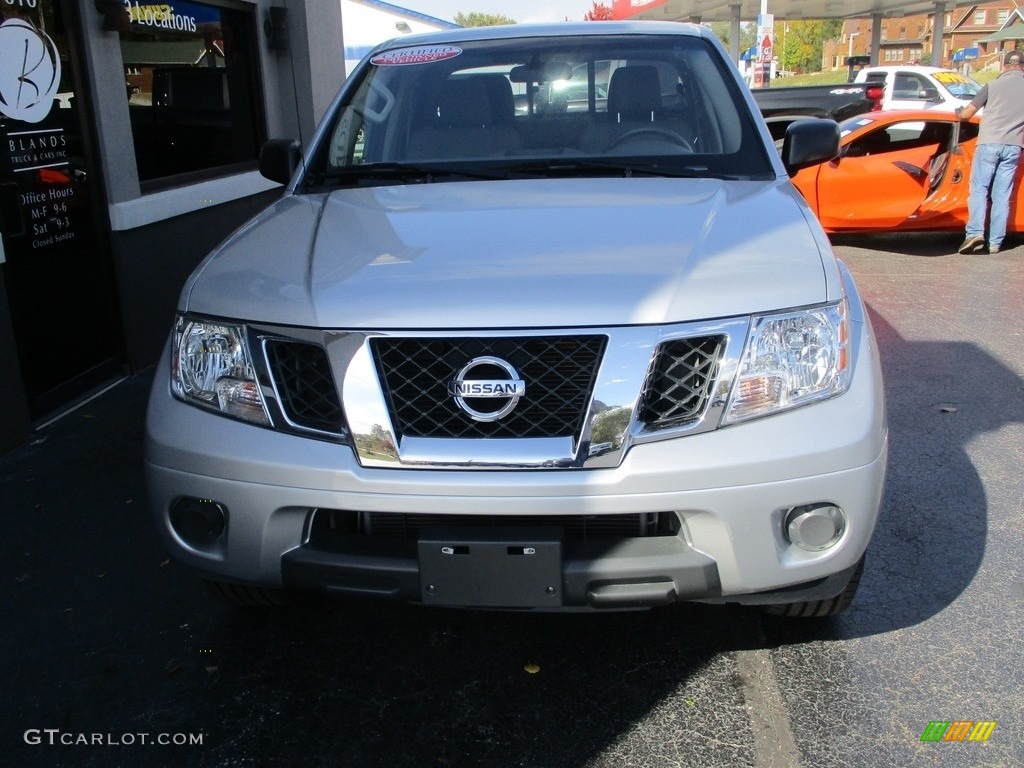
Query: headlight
(211, 367)
(792, 359)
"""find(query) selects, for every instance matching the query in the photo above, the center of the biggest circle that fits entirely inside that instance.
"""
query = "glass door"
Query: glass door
(55, 253)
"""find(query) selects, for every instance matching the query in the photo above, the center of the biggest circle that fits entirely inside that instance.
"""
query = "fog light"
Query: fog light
(198, 521)
(815, 527)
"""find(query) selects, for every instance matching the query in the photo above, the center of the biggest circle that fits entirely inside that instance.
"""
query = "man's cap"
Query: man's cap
(1014, 58)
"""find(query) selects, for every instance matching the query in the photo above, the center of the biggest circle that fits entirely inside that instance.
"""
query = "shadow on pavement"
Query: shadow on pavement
(910, 243)
(930, 540)
(929, 244)
(104, 638)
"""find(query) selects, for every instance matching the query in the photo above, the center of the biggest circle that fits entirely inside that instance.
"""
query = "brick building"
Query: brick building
(990, 28)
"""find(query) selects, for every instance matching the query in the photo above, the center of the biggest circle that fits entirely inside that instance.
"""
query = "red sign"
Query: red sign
(628, 9)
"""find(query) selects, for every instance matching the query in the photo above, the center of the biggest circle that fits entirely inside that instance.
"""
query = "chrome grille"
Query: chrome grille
(559, 372)
(305, 385)
(678, 388)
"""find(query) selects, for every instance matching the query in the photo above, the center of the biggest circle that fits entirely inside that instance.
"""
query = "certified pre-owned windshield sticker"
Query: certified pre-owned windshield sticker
(423, 55)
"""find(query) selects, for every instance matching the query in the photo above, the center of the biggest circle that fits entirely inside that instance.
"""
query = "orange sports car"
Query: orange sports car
(899, 170)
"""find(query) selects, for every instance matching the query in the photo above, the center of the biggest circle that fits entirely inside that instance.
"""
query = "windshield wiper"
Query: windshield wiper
(560, 167)
(405, 173)
(598, 166)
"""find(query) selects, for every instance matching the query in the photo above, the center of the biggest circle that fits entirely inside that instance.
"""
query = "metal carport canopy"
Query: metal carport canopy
(735, 11)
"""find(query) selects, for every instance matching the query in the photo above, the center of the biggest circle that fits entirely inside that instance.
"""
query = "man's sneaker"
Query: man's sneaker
(972, 244)
(993, 249)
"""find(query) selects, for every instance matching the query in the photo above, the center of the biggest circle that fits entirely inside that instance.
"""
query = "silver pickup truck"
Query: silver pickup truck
(495, 349)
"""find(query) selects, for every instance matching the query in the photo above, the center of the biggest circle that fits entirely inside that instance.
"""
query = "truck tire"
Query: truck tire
(817, 609)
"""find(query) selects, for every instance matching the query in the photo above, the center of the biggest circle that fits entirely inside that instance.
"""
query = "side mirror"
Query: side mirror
(809, 142)
(279, 159)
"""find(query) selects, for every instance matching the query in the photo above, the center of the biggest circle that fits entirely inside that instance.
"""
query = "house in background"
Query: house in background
(369, 22)
(973, 35)
(991, 47)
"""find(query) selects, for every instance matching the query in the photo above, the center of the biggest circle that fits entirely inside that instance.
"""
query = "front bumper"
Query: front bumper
(730, 490)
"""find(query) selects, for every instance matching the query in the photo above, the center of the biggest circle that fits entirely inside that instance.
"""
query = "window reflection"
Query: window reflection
(191, 85)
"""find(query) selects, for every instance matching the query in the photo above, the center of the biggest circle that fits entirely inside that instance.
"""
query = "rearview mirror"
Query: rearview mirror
(537, 72)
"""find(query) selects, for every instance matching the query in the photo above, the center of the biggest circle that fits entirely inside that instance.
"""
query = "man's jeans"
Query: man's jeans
(994, 165)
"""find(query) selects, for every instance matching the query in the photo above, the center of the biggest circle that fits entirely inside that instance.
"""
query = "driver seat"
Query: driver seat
(634, 94)
(634, 102)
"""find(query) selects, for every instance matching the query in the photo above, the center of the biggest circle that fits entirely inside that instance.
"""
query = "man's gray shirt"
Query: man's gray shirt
(1003, 100)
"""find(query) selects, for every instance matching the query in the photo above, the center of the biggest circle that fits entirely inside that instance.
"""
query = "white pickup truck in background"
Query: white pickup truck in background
(917, 87)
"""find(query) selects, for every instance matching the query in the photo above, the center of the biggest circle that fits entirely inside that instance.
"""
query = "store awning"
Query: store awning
(966, 54)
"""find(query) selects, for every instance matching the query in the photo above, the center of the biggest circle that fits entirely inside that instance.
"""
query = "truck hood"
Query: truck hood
(516, 254)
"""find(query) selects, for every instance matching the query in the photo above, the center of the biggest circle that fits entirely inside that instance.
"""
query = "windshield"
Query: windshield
(964, 89)
(958, 85)
(582, 104)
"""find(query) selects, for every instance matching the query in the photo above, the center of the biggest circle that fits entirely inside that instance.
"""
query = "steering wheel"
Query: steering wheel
(661, 133)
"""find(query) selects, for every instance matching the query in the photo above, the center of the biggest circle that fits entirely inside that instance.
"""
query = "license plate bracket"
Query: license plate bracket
(490, 568)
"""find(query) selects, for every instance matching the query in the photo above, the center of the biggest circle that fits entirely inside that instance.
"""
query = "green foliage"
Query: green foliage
(598, 12)
(476, 19)
(748, 34)
(799, 43)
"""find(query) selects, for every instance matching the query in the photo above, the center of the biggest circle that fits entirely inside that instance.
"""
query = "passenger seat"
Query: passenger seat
(475, 119)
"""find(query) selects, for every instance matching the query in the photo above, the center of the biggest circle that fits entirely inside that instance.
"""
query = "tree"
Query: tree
(475, 19)
(748, 34)
(598, 12)
(799, 42)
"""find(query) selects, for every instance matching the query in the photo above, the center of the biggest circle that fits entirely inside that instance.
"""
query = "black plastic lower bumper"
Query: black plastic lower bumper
(513, 568)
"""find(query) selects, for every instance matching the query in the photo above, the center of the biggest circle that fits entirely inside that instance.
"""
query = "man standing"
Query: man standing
(997, 154)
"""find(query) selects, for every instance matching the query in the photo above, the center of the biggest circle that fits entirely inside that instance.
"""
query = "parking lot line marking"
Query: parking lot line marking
(774, 746)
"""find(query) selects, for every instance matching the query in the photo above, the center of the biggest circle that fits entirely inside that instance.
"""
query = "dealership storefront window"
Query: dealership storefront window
(193, 88)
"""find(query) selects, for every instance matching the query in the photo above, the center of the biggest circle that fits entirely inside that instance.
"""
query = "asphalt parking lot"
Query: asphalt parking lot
(110, 650)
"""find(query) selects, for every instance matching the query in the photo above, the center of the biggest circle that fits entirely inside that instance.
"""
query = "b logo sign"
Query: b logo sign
(29, 71)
